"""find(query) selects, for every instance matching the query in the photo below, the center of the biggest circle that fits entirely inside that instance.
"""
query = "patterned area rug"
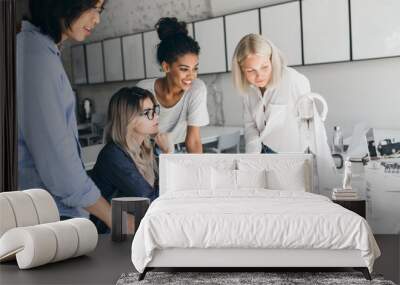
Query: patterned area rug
(242, 278)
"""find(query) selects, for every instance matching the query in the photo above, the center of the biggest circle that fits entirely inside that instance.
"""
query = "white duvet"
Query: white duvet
(252, 218)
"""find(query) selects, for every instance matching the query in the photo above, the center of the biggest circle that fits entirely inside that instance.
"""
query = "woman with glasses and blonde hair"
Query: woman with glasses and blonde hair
(125, 166)
(271, 90)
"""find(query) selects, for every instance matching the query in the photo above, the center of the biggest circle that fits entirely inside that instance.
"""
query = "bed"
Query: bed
(247, 211)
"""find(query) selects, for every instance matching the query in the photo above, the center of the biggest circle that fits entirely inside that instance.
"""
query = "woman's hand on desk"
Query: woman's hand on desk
(164, 143)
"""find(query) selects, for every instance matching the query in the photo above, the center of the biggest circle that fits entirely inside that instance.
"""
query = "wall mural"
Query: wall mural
(126, 16)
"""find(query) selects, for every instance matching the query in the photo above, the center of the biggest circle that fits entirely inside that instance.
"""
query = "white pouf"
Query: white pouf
(37, 245)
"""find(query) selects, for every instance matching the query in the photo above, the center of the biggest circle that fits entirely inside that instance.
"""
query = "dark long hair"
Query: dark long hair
(175, 41)
(53, 17)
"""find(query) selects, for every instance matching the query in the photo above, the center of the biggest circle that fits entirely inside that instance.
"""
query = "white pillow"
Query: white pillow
(188, 177)
(228, 179)
(224, 179)
(290, 176)
(281, 174)
(251, 178)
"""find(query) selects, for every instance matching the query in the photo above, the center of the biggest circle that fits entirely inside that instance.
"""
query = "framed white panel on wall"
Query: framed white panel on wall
(151, 40)
(326, 32)
(375, 28)
(237, 26)
(210, 36)
(282, 25)
(78, 64)
(95, 66)
(113, 60)
(133, 57)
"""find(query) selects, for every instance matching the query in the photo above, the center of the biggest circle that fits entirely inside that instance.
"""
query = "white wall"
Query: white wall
(363, 91)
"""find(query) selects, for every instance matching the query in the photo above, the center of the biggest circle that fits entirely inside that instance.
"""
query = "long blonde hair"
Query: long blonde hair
(123, 108)
(256, 44)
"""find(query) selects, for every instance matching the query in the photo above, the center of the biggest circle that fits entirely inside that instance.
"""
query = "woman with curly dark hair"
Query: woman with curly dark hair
(48, 146)
(182, 97)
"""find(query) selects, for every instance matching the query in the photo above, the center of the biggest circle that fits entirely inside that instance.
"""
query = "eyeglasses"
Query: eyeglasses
(149, 113)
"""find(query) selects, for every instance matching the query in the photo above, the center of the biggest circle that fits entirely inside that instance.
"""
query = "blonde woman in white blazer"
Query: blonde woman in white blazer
(273, 117)
(270, 92)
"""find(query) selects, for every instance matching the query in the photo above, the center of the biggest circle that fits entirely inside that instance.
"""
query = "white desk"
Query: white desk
(89, 155)
(211, 134)
(208, 134)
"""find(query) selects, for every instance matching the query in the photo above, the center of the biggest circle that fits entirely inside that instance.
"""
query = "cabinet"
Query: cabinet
(79, 64)
(150, 41)
(375, 28)
(236, 27)
(95, 66)
(326, 32)
(210, 36)
(383, 197)
(132, 47)
(306, 31)
(113, 60)
(281, 24)
(190, 29)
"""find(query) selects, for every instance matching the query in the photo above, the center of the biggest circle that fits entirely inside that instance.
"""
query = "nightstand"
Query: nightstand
(137, 206)
(357, 206)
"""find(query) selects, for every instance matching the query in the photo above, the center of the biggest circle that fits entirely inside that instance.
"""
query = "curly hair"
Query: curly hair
(53, 17)
(175, 41)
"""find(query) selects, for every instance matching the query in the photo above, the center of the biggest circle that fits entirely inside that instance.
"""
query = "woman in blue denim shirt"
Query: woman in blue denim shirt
(49, 154)
(126, 166)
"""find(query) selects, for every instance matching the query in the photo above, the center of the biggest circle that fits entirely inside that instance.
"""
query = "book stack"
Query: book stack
(344, 194)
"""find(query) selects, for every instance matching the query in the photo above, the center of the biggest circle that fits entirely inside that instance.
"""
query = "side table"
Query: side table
(120, 207)
(357, 206)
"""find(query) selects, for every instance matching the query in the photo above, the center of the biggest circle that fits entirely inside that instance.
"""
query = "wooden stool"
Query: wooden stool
(120, 207)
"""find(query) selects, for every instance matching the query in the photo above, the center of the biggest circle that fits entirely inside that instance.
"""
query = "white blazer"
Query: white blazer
(270, 118)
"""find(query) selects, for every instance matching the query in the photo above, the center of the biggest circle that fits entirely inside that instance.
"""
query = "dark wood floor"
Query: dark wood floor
(110, 260)
(389, 262)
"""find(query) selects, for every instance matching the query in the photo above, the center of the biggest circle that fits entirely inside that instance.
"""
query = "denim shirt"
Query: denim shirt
(48, 145)
(116, 175)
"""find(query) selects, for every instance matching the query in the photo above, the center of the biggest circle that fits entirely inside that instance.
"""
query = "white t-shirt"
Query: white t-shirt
(269, 117)
(190, 110)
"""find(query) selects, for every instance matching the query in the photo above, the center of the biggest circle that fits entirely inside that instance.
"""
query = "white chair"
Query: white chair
(31, 231)
(226, 142)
